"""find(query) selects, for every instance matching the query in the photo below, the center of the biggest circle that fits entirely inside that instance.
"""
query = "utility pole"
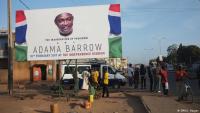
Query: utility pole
(159, 41)
(10, 51)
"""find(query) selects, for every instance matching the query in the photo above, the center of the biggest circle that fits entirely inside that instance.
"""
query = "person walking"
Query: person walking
(180, 74)
(130, 75)
(143, 77)
(164, 79)
(105, 83)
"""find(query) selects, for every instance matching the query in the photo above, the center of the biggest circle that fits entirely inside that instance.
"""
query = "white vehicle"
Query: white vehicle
(67, 72)
(115, 78)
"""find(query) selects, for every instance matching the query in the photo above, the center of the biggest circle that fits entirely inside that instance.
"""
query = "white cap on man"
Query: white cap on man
(160, 58)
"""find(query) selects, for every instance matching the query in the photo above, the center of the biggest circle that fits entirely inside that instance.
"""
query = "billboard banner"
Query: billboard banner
(66, 33)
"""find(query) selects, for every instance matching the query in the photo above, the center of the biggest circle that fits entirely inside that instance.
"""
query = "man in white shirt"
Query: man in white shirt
(85, 76)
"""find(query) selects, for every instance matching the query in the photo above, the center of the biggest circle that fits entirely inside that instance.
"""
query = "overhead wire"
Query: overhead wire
(136, 11)
(24, 4)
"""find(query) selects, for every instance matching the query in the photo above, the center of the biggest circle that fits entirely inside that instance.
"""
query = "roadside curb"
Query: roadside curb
(145, 105)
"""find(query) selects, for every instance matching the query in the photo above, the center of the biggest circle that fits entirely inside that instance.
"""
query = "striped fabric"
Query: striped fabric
(114, 18)
(20, 30)
(21, 27)
(115, 39)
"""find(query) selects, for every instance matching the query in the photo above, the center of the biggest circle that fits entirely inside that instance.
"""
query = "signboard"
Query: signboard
(64, 33)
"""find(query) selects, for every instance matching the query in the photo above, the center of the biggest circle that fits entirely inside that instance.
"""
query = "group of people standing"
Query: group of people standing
(134, 74)
(157, 74)
(158, 78)
(92, 80)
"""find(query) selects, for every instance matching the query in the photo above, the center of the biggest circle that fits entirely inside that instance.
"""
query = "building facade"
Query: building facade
(26, 70)
(3, 55)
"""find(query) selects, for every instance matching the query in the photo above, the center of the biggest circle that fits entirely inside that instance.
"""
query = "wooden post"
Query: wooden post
(10, 51)
(54, 68)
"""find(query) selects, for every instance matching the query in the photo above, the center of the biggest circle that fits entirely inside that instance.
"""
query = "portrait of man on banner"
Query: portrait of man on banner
(64, 22)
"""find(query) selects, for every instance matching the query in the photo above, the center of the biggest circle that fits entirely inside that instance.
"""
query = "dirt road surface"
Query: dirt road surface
(117, 103)
(125, 100)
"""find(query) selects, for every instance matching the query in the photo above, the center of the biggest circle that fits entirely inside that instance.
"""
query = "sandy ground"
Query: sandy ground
(117, 103)
(125, 100)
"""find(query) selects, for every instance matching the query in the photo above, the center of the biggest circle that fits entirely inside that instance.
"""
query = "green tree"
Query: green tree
(180, 53)
(172, 53)
(188, 54)
(191, 54)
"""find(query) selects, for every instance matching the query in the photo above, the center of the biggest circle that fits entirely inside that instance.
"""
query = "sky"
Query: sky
(149, 27)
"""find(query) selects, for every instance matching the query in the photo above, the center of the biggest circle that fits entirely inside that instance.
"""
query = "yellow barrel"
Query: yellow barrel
(91, 99)
(55, 108)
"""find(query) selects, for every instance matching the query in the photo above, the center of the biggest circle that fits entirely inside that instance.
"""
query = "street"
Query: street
(37, 98)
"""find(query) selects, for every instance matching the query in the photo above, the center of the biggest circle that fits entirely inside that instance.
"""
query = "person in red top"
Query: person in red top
(164, 79)
(181, 74)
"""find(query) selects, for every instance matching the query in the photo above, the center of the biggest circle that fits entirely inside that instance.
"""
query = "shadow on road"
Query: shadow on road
(40, 111)
(73, 105)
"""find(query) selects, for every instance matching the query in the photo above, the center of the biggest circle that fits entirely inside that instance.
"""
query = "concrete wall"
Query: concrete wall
(3, 75)
(21, 71)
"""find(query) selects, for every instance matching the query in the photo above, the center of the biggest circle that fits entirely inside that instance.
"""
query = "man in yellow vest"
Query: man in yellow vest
(105, 83)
